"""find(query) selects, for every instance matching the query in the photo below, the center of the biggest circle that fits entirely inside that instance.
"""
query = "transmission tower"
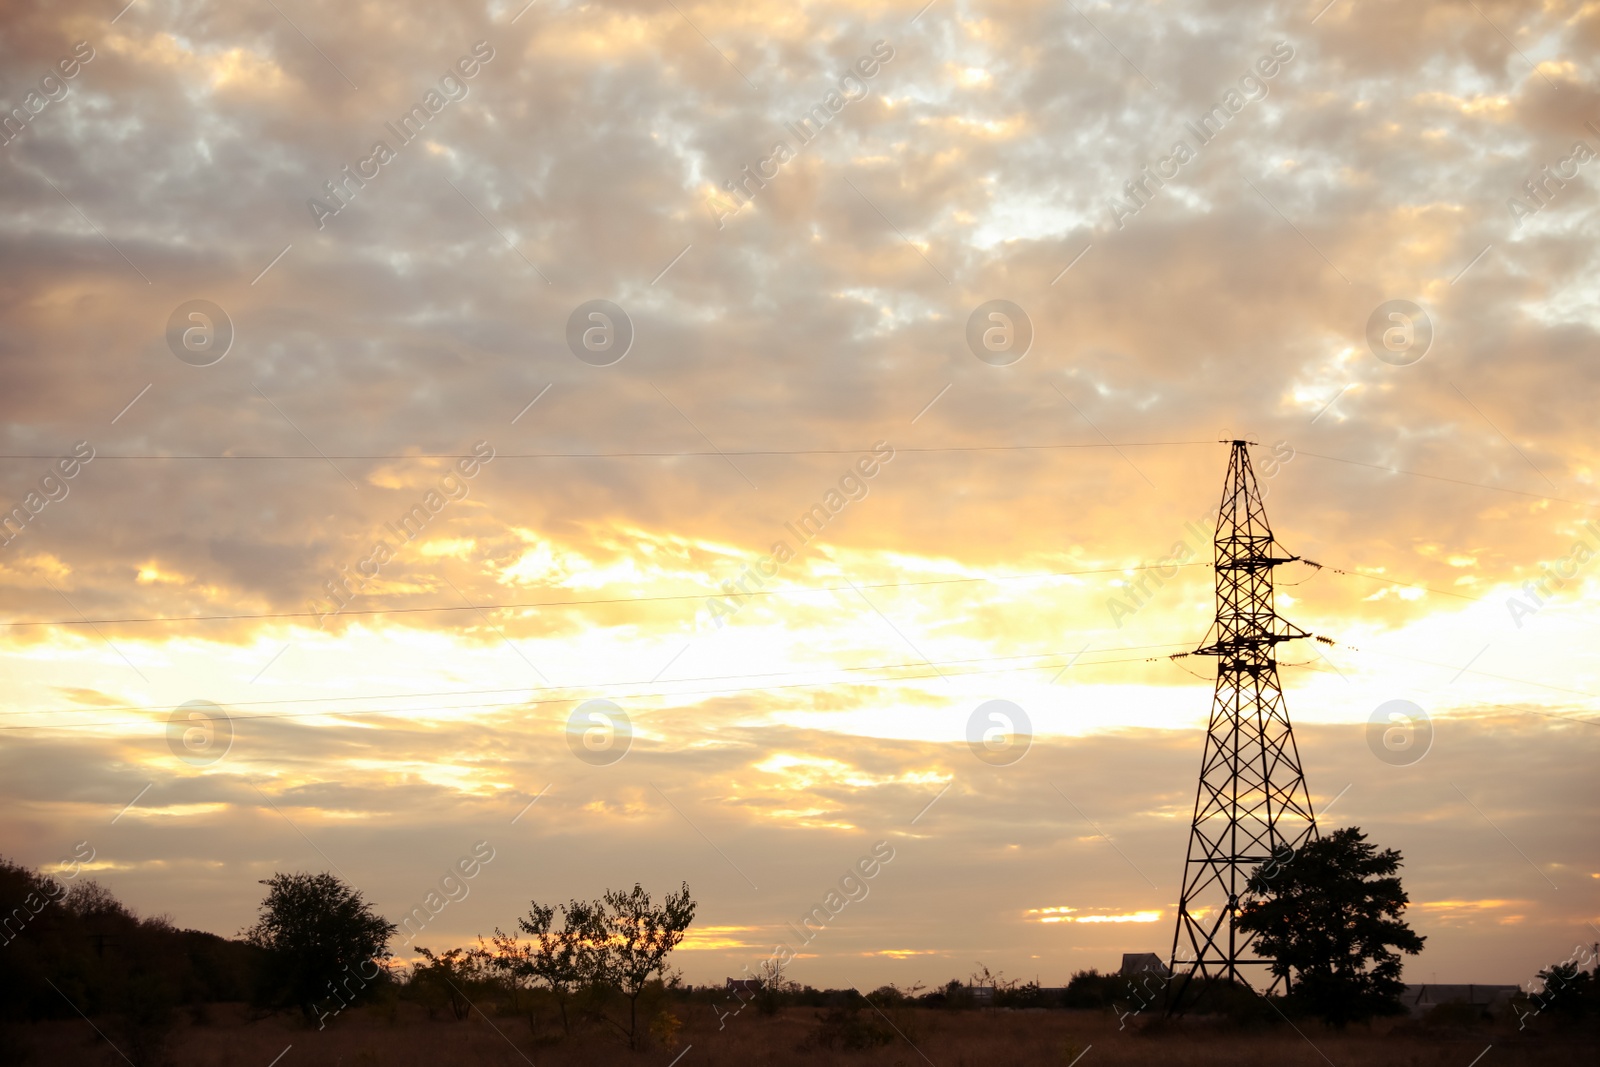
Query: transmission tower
(1252, 803)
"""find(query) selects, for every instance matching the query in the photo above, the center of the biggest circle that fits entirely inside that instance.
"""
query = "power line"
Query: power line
(1469, 670)
(599, 685)
(788, 591)
(621, 696)
(702, 692)
(1443, 478)
(703, 453)
(634, 455)
(1391, 581)
(703, 595)
(1465, 670)
(712, 453)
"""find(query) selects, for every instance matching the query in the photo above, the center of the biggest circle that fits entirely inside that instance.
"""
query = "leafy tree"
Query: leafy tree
(1331, 916)
(565, 960)
(618, 944)
(321, 940)
(638, 936)
(1570, 993)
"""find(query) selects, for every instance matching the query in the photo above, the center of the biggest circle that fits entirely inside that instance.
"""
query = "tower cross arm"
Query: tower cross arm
(1254, 563)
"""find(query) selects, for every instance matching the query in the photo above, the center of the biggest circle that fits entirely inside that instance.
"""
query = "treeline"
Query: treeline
(324, 949)
(66, 949)
(318, 947)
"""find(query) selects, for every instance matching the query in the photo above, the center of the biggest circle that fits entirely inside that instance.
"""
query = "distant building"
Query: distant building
(744, 985)
(1138, 963)
(1418, 999)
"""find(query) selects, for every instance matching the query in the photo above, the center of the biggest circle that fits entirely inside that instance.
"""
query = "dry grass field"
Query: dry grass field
(407, 1038)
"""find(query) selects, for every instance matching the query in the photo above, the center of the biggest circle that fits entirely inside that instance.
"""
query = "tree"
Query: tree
(565, 960)
(447, 976)
(620, 942)
(1331, 917)
(321, 939)
(1569, 992)
(637, 939)
(773, 986)
(994, 982)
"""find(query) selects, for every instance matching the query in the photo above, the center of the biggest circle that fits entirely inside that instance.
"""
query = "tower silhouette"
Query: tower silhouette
(1252, 804)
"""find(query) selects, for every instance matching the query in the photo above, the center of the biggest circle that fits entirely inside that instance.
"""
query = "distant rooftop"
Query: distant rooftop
(1142, 963)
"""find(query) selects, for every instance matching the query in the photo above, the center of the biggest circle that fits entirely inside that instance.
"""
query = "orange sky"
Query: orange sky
(406, 411)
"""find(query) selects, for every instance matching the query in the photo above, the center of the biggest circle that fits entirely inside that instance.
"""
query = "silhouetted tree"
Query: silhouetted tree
(994, 983)
(774, 988)
(1570, 993)
(322, 941)
(638, 938)
(449, 976)
(618, 944)
(565, 960)
(1331, 917)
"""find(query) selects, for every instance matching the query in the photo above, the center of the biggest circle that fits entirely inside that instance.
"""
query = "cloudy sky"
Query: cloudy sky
(303, 297)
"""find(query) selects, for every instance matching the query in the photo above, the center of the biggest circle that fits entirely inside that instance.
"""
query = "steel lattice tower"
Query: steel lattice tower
(1252, 802)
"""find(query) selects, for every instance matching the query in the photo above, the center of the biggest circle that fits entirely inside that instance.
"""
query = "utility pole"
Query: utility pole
(1252, 804)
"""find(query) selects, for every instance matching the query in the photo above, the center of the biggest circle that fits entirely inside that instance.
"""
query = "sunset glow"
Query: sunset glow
(811, 564)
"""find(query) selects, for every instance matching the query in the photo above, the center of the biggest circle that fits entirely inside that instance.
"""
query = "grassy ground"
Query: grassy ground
(407, 1038)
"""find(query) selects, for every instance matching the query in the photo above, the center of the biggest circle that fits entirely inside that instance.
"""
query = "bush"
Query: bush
(145, 1024)
(846, 1027)
(1091, 989)
(1027, 995)
(953, 995)
(664, 1029)
(453, 979)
